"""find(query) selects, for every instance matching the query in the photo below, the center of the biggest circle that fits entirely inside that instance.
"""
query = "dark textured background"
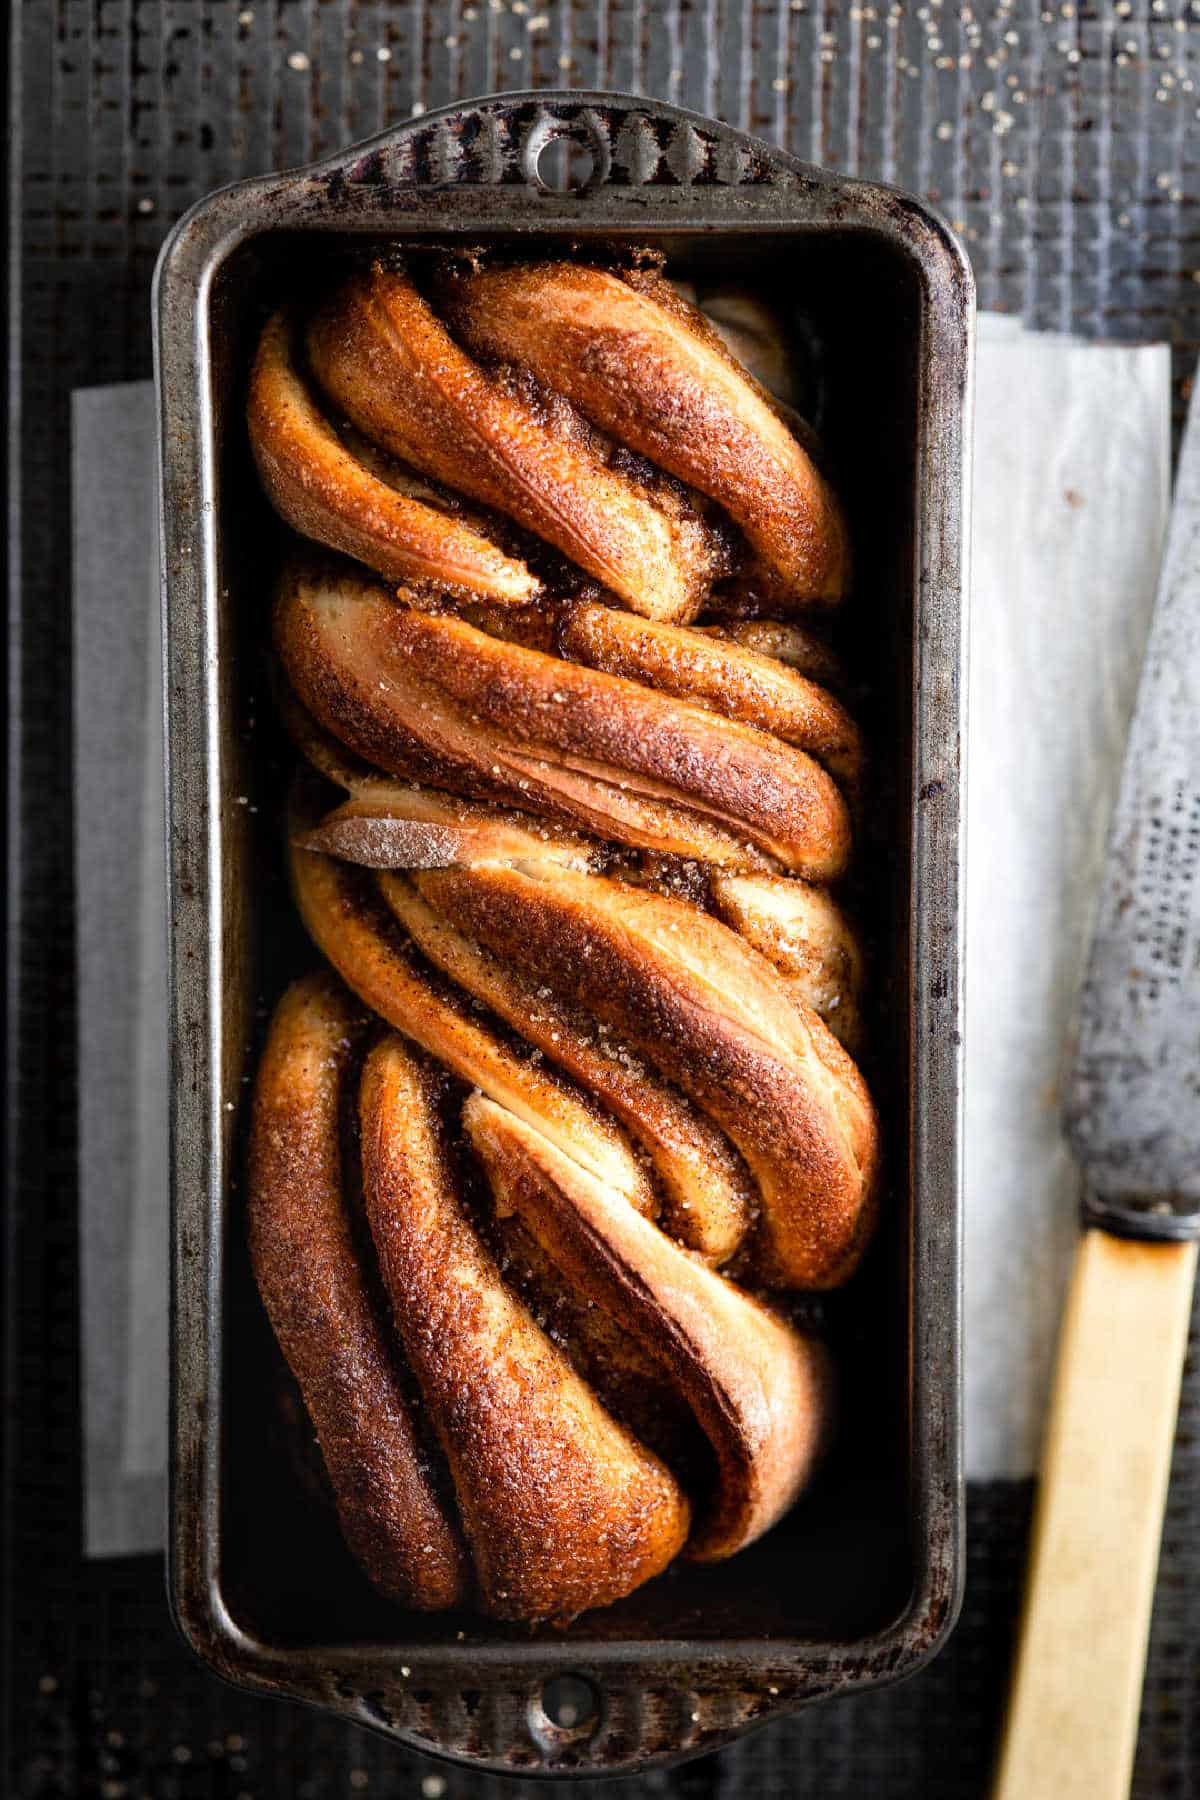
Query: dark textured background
(1064, 143)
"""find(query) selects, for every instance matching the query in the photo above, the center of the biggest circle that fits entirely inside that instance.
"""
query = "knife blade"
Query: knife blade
(1132, 1110)
(1132, 1117)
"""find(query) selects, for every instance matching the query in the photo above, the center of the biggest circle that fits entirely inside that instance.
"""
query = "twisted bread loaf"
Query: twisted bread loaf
(571, 877)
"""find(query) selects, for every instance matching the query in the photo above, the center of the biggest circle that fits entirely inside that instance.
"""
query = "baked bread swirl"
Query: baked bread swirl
(427, 693)
(647, 367)
(576, 875)
(330, 1326)
(349, 923)
(561, 1506)
(757, 1388)
(707, 1010)
(345, 492)
(384, 357)
(725, 677)
(804, 933)
(707, 1197)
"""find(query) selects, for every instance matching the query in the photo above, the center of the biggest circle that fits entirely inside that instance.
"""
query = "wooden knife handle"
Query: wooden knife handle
(1072, 1719)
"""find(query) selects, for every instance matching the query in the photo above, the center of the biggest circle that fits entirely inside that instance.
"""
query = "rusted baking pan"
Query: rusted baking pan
(860, 1584)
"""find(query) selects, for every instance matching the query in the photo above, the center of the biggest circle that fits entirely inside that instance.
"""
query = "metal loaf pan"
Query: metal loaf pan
(861, 1583)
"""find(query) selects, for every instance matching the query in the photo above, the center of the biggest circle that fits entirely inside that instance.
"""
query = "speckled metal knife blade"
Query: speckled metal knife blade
(1133, 1107)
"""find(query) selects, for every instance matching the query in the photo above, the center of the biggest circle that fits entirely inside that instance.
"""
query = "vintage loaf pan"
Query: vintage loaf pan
(861, 1584)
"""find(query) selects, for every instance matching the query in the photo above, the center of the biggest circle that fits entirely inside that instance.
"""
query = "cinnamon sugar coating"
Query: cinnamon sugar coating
(579, 783)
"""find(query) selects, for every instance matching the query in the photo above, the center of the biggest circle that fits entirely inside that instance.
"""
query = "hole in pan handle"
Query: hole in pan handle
(566, 1710)
(569, 155)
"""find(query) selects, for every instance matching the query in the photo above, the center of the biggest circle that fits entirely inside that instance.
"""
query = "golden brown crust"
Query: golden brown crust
(601, 930)
(534, 626)
(563, 1509)
(757, 1388)
(376, 511)
(709, 1012)
(337, 675)
(338, 1346)
(727, 677)
(381, 353)
(348, 922)
(627, 1381)
(807, 937)
(431, 696)
(646, 367)
(707, 1196)
(738, 776)
(785, 641)
(390, 824)
(396, 825)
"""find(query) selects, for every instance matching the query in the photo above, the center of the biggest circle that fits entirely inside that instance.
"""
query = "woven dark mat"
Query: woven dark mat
(1063, 142)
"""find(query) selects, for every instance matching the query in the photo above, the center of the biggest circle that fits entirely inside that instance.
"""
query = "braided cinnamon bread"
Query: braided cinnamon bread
(595, 998)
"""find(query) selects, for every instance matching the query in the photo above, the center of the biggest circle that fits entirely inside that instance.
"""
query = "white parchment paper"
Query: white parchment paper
(1072, 475)
(121, 950)
(1072, 467)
